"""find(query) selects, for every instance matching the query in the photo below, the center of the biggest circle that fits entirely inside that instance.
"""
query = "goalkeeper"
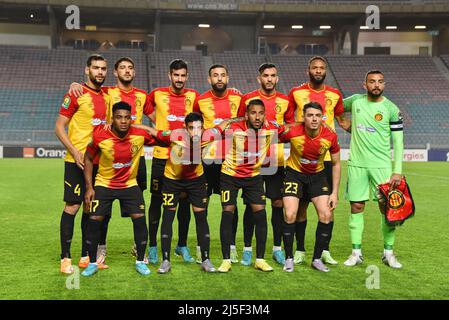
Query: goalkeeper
(375, 120)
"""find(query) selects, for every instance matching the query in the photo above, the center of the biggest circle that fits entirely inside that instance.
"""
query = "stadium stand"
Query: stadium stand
(33, 81)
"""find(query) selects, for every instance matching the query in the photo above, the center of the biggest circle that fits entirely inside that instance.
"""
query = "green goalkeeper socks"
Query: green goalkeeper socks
(356, 225)
(388, 233)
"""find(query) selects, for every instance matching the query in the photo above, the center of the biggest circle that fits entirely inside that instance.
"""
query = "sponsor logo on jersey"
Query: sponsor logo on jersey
(166, 133)
(119, 165)
(324, 117)
(378, 117)
(218, 121)
(97, 122)
(365, 128)
(307, 161)
(173, 118)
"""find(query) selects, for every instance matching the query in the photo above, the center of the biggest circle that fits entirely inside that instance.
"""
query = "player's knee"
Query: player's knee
(289, 216)
(230, 208)
(96, 218)
(136, 215)
(277, 203)
(72, 208)
(357, 207)
(325, 216)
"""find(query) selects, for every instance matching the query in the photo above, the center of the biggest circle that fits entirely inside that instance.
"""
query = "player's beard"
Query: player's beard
(95, 81)
(218, 89)
(124, 81)
(371, 94)
(269, 90)
(317, 81)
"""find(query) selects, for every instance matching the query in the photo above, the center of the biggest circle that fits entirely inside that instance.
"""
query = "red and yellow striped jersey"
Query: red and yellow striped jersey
(119, 157)
(214, 110)
(135, 97)
(277, 108)
(171, 109)
(247, 148)
(306, 153)
(329, 98)
(85, 113)
(184, 162)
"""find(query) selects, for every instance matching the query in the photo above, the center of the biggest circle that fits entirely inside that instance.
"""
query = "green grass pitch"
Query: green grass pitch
(31, 204)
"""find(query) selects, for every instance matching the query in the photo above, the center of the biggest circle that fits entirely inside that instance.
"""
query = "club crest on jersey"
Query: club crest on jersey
(138, 103)
(233, 106)
(134, 148)
(378, 117)
(328, 102)
(396, 199)
(278, 108)
(188, 103)
(66, 102)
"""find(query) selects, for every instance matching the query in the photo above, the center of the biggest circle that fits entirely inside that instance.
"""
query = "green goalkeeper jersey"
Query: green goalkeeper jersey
(373, 125)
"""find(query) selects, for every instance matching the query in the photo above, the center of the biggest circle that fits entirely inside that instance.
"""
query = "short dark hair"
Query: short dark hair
(193, 116)
(177, 64)
(317, 58)
(122, 105)
(218, 66)
(94, 57)
(255, 102)
(266, 65)
(127, 59)
(313, 105)
(372, 72)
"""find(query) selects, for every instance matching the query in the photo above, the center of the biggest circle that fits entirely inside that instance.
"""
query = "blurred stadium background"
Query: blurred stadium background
(40, 56)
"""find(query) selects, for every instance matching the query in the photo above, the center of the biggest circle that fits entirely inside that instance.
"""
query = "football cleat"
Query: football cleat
(234, 255)
(165, 267)
(246, 258)
(152, 255)
(84, 262)
(279, 257)
(185, 253)
(300, 257)
(327, 258)
(354, 259)
(289, 265)
(391, 261)
(91, 269)
(319, 265)
(261, 264)
(142, 268)
(66, 266)
(207, 266)
(225, 266)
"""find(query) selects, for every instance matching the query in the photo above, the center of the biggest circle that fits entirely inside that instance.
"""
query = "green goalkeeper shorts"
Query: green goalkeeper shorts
(363, 181)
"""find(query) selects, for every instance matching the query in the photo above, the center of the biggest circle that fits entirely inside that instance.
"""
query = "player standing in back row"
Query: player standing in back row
(375, 120)
(278, 109)
(170, 106)
(332, 102)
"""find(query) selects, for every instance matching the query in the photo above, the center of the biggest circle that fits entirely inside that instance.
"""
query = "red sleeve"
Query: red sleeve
(164, 137)
(212, 134)
(148, 108)
(339, 107)
(242, 108)
(289, 116)
(286, 134)
(149, 104)
(335, 147)
(69, 106)
(196, 106)
(149, 139)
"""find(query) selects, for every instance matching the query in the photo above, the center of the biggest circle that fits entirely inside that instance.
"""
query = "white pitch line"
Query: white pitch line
(427, 175)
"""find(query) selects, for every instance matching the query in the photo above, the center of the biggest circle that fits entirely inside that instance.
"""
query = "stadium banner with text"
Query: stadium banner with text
(33, 152)
(413, 155)
(438, 155)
